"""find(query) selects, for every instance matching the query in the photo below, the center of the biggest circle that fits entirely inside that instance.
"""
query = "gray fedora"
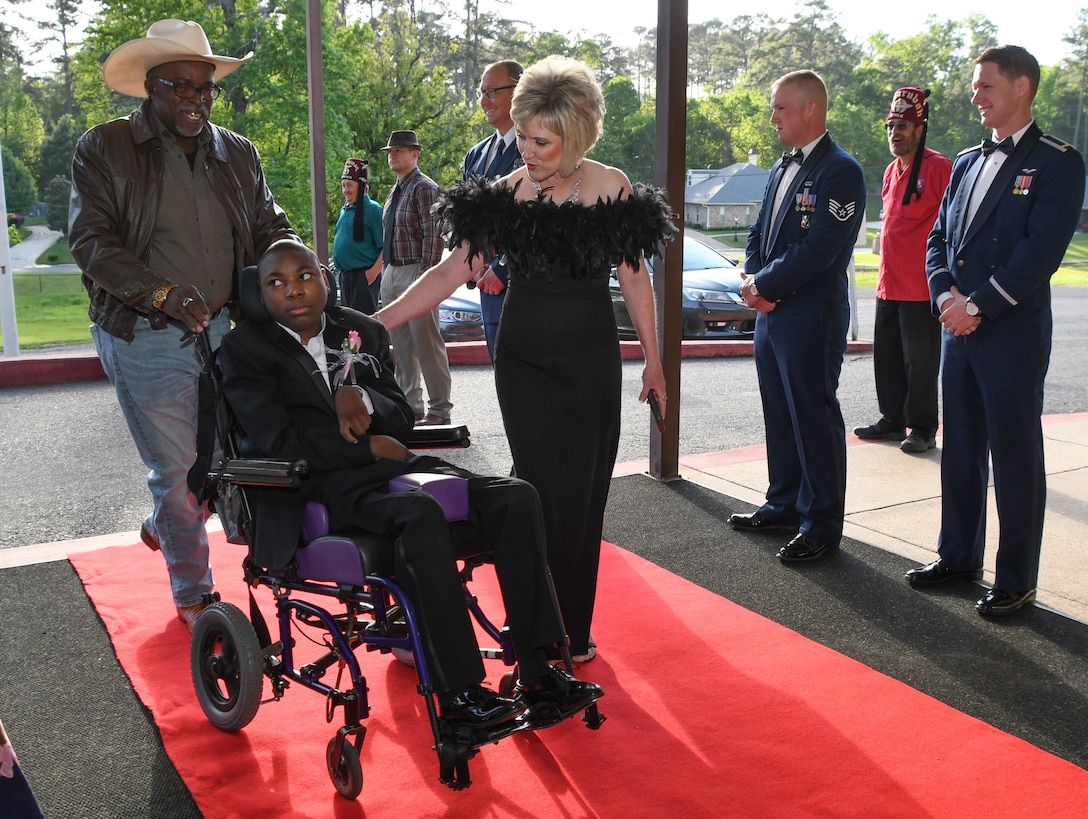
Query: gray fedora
(403, 139)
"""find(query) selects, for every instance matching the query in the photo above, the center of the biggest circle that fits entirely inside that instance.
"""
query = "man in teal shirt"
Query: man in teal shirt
(357, 244)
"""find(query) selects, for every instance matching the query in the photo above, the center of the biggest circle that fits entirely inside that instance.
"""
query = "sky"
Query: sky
(1041, 34)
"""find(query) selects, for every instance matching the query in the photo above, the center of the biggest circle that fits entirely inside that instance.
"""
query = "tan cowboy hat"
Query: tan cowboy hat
(167, 41)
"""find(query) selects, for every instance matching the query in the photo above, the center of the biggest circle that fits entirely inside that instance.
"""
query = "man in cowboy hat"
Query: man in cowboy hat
(907, 336)
(357, 243)
(413, 243)
(165, 208)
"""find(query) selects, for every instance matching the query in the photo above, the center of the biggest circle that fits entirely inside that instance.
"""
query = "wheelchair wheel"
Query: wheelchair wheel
(225, 658)
(345, 772)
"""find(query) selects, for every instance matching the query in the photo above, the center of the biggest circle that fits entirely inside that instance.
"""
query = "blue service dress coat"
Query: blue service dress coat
(992, 379)
(476, 164)
(799, 262)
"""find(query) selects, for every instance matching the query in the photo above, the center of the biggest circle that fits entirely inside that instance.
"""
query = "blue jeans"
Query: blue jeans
(156, 383)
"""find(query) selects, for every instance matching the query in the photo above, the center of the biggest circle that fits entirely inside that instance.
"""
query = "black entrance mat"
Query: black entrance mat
(85, 742)
(1026, 675)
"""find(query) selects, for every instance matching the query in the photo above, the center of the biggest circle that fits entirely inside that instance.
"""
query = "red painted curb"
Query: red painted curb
(19, 371)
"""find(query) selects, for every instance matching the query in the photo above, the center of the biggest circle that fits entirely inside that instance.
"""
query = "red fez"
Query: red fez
(355, 169)
(909, 105)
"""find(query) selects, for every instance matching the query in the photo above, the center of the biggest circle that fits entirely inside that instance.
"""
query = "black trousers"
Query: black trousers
(355, 292)
(907, 360)
(506, 511)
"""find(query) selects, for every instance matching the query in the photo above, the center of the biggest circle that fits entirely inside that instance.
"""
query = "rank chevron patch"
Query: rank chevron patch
(841, 212)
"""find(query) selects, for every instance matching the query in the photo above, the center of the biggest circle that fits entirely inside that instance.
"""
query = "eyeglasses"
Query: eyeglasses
(491, 92)
(899, 126)
(187, 91)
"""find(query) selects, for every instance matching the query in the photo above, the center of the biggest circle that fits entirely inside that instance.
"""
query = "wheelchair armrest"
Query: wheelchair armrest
(439, 436)
(260, 472)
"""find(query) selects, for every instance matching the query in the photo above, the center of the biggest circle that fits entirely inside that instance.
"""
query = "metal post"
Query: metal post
(316, 86)
(7, 283)
(669, 170)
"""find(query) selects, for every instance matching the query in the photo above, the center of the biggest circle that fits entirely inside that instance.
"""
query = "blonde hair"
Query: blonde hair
(566, 98)
(808, 83)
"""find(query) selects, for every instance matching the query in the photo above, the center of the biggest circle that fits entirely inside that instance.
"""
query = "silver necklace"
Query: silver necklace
(573, 197)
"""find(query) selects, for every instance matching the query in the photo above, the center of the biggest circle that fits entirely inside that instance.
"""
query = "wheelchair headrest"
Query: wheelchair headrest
(249, 293)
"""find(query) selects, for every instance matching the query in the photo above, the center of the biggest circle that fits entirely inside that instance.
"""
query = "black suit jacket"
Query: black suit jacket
(285, 410)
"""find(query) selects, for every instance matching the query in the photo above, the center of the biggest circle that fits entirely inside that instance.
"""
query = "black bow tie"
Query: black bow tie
(989, 146)
(797, 156)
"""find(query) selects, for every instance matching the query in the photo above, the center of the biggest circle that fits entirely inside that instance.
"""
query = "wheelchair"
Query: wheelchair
(232, 652)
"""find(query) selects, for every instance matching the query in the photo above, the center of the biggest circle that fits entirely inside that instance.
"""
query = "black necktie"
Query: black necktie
(797, 156)
(390, 227)
(499, 151)
(1005, 146)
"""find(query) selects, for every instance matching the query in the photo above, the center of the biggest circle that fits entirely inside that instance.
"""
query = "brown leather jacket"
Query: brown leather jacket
(116, 174)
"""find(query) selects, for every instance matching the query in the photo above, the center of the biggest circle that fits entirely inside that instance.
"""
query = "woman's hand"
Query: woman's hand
(653, 378)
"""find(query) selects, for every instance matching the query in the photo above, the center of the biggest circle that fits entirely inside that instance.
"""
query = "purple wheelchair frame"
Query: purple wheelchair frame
(231, 653)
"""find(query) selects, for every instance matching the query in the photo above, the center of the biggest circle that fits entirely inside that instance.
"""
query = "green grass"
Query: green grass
(50, 309)
(59, 253)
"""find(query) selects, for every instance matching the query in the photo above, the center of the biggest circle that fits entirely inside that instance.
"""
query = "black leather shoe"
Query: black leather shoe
(480, 707)
(882, 430)
(802, 547)
(916, 443)
(755, 522)
(998, 601)
(937, 572)
(559, 688)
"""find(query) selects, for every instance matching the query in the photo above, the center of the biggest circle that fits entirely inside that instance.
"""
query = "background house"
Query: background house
(726, 197)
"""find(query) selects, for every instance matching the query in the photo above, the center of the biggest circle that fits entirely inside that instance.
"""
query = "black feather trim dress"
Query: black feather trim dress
(557, 356)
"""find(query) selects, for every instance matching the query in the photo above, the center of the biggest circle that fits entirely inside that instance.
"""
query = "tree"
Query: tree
(60, 26)
(57, 194)
(57, 151)
(19, 187)
(21, 127)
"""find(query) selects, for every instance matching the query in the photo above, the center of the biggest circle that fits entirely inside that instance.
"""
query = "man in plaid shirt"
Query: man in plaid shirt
(413, 243)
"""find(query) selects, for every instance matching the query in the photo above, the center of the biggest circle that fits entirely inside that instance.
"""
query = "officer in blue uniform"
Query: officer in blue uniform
(495, 157)
(1002, 230)
(795, 266)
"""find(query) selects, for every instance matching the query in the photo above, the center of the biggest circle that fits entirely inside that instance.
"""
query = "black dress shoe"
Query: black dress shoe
(938, 572)
(998, 601)
(802, 547)
(559, 688)
(916, 443)
(755, 522)
(882, 430)
(480, 707)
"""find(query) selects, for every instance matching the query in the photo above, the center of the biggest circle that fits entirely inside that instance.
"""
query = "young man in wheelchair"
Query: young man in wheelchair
(277, 379)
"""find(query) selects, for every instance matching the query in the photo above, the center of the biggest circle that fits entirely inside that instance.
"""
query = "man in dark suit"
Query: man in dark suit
(795, 267)
(1002, 230)
(494, 157)
(350, 431)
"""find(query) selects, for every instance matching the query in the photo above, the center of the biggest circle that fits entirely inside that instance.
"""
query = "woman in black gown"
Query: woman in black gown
(562, 221)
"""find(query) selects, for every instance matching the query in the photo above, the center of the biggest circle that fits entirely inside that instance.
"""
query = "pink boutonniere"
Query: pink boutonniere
(350, 354)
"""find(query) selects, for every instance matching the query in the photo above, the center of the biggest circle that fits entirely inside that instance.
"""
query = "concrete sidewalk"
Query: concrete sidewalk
(893, 502)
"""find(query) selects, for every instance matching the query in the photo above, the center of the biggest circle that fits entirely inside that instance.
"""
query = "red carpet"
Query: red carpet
(711, 710)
